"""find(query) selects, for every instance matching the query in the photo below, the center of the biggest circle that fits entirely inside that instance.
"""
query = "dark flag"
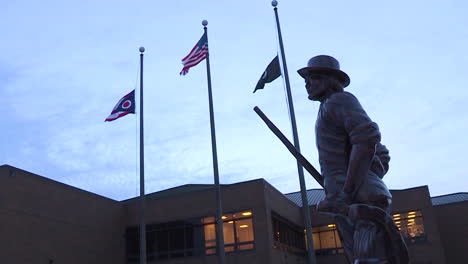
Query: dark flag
(125, 106)
(272, 72)
(196, 55)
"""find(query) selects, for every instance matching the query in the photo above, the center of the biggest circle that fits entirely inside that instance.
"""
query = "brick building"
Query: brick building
(44, 221)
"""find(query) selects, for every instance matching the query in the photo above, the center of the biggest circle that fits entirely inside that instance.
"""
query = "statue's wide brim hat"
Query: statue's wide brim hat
(324, 64)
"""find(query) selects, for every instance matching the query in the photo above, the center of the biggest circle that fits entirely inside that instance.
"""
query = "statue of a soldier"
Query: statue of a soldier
(353, 163)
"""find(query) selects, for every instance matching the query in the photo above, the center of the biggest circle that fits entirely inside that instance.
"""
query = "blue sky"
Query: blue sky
(64, 65)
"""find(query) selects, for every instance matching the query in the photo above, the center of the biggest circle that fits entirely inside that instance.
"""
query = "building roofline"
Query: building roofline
(438, 196)
(410, 188)
(313, 189)
(392, 190)
(56, 182)
(169, 191)
(190, 188)
(453, 198)
(174, 190)
(266, 183)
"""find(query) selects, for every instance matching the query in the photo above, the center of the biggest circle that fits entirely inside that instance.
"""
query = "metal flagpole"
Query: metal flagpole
(305, 205)
(142, 170)
(219, 221)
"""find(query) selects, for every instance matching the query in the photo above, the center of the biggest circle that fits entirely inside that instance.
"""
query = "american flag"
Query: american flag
(196, 55)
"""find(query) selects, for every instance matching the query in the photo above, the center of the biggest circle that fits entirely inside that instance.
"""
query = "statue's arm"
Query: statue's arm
(363, 135)
(360, 161)
(380, 163)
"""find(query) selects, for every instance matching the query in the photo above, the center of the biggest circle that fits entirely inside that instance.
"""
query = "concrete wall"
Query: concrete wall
(43, 221)
(453, 226)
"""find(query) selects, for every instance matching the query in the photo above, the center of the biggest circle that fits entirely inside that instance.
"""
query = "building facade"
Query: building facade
(452, 221)
(44, 221)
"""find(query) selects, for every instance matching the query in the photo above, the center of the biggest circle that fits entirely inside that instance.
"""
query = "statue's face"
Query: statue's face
(316, 86)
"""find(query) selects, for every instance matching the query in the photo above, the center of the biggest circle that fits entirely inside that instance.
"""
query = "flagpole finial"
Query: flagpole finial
(274, 3)
(204, 23)
(142, 49)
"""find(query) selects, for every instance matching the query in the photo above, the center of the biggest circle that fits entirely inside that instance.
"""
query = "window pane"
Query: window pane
(150, 242)
(210, 235)
(246, 246)
(177, 254)
(189, 237)
(198, 241)
(247, 213)
(162, 240)
(416, 228)
(327, 239)
(276, 233)
(208, 220)
(210, 251)
(176, 239)
(288, 233)
(229, 249)
(244, 229)
(315, 238)
(228, 230)
(338, 240)
(410, 224)
(226, 217)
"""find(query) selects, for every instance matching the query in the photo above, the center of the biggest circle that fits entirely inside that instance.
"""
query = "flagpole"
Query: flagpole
(142, 170)
(305, 204)
(219, 221)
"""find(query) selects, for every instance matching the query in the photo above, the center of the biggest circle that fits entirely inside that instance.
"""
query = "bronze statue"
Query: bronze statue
(353, 162)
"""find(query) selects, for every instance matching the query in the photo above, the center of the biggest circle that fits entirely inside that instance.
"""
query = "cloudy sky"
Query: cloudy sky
(64, 65)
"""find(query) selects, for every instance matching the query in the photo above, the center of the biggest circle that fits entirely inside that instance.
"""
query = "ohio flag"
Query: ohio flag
(125, 106)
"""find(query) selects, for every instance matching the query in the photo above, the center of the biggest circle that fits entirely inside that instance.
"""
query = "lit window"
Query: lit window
(229, 235)
(210, 235)
(410, 224)
(209, 219)
(238, 232)
(244, 230)
(326, 240)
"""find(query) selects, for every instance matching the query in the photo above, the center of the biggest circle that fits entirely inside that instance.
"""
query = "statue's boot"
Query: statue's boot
(335, 204)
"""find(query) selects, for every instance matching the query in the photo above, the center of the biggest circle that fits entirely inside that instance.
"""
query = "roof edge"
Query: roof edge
(56, 182)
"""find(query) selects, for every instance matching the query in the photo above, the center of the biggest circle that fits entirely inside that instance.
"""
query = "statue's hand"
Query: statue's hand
(380, 161)
(377, 167)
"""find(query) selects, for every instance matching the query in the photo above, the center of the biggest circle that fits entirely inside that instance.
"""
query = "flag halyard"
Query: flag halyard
(125, 106)
(196, 55)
